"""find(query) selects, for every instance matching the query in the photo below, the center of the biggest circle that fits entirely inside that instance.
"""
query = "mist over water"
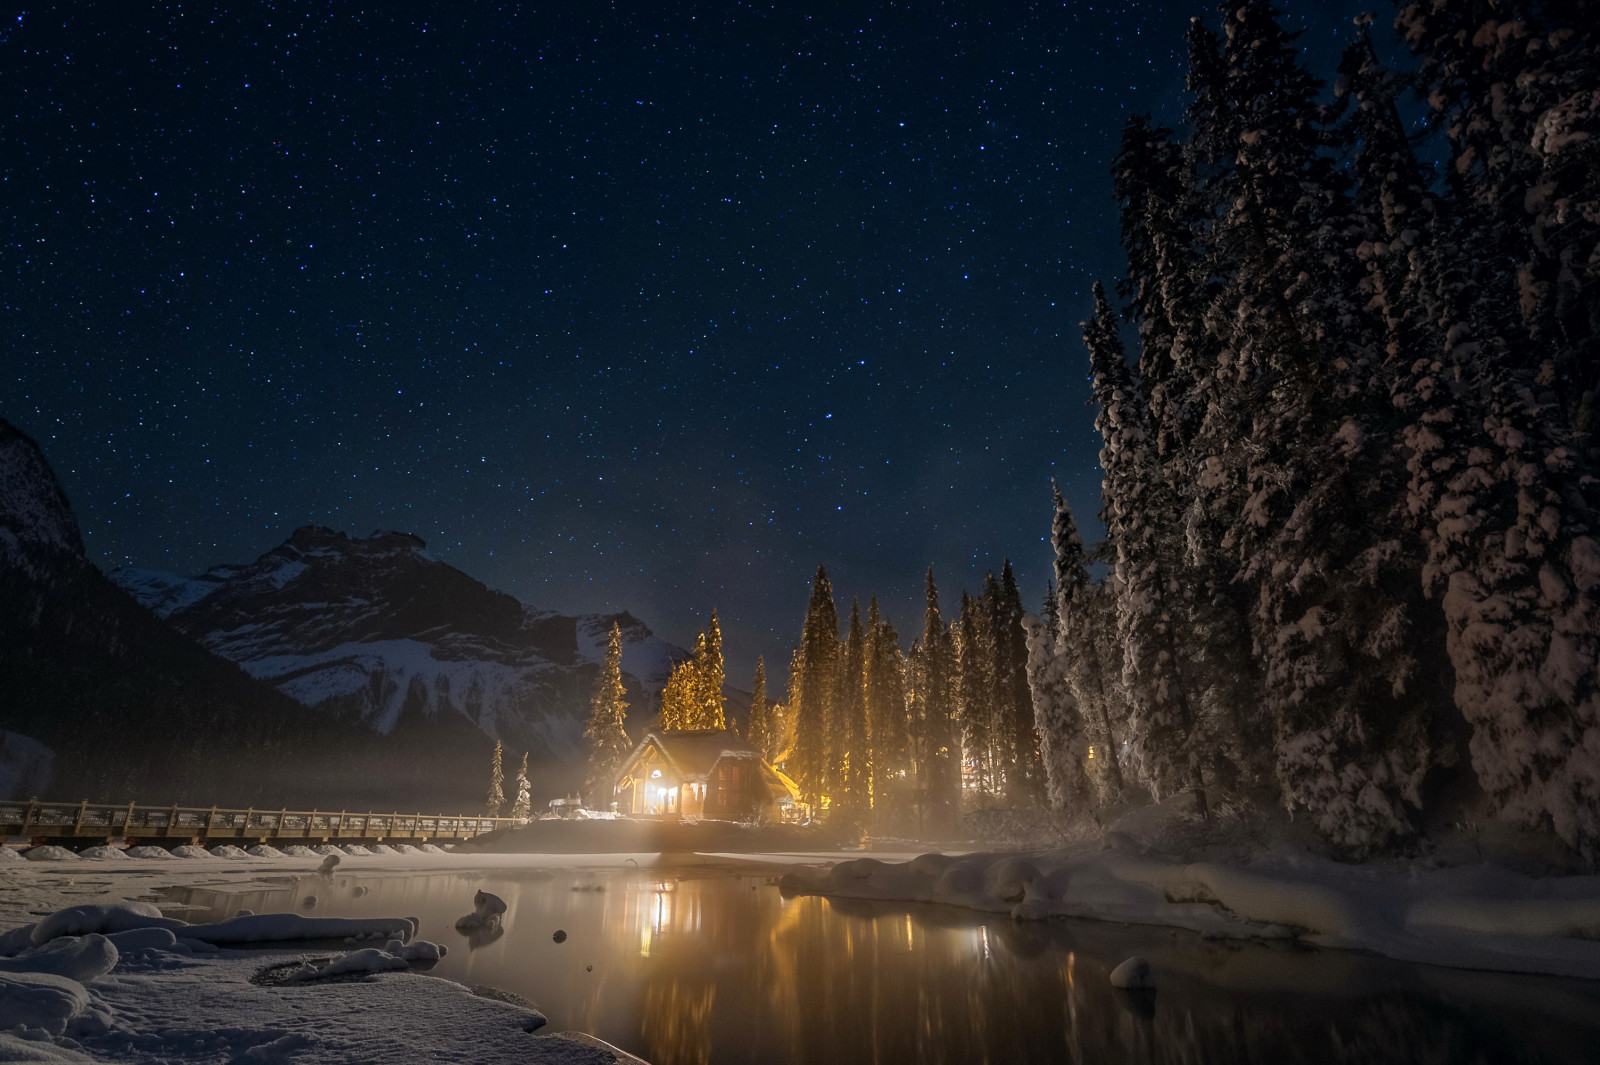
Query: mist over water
(700, 965)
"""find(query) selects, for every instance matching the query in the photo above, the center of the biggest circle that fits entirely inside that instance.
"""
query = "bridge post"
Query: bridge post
(172, 821)
(77, 824)
(33, 806)
(249, 812)
(127, 822)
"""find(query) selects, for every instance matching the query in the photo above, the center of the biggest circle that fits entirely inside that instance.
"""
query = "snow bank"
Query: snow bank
(40, 1001)
(60, 999)
(356, 850)
(1476, 918)
(102, 851)
(299, 850)
(262, 850)
(189, 850)
(10, 854)
(227, 850)
(49, 853)
(148, 851)
(80, 958)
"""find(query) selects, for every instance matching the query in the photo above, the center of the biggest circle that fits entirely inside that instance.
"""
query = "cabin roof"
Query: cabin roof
(694, 753)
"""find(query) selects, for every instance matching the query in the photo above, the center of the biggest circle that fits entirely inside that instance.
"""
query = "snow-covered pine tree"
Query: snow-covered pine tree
(1166, 216)
(850, 706)
(1063, 739)
(606, 729)
(522, 806)
(1498, 485)
(1025, 771)
(813, 704)
(974, 691)
(1516, 86)
(886, 711)
(1164, 737)
(680, 699)
(941, 770)
(496, 800)
(1088, 673)
(761, 724)
(711, 676)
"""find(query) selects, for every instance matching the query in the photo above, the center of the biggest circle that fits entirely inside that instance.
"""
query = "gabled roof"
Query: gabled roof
(694, 753)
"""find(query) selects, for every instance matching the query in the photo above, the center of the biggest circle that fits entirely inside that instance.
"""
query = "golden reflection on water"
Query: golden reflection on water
(721, 970)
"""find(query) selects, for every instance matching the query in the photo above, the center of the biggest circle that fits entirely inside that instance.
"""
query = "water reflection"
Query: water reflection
(721, 968)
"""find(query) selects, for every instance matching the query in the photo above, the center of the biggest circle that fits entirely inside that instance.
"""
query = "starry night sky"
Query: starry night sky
(648, 307)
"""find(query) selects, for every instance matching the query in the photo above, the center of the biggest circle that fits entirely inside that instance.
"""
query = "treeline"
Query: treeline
(1348, 481)
(893, 738)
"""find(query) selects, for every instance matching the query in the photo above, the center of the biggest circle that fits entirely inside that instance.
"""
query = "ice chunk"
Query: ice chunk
(227, 850)
(189, 850)
(1133, 975)
(262, 850)
(148, 851)
(102, 852)
(49, 853)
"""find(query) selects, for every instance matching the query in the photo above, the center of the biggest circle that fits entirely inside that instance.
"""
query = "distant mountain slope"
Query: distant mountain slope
(378, 629)
(125, 707)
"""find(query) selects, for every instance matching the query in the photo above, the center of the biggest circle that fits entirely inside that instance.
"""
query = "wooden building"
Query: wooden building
(712, 773)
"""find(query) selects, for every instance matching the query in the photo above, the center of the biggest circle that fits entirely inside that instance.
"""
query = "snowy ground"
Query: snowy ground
(161, 998)
(1477, 916)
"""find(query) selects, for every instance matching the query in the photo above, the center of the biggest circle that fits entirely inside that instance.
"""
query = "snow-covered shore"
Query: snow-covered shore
(70, 992)
(1472, 917)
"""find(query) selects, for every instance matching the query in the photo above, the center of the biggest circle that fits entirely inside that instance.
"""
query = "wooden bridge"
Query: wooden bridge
(103, 822)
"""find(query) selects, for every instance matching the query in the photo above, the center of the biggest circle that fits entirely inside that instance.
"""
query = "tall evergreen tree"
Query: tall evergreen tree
(941, 771)
(522, 807)
(886, 710)
(813, 705)
(496, 800)
(762, 731)
(712, 676)
(1083, 627)
(606, 729)
(854, 766)
(1025, 782)
(974, 692)
(1163, 731)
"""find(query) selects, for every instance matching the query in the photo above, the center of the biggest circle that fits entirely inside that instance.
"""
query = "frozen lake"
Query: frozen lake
(712, 965)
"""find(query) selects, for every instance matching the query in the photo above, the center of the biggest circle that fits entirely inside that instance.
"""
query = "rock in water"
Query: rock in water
(560, 935)
(1133, 975)
(328, 864)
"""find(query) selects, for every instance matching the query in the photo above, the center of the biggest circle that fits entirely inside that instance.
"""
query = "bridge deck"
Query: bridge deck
(88, 820)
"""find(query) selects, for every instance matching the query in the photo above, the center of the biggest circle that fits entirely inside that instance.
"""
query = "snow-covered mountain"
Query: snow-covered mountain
(98, 699)
(379, 629)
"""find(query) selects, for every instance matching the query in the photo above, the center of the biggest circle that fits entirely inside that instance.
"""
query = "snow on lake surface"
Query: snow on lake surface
(702, 962)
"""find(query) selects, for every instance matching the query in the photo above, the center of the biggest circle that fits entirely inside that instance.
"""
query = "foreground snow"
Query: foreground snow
(1470, 917)
(108, 980)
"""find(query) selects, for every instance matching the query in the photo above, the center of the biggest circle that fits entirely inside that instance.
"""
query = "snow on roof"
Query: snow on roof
(694, 753)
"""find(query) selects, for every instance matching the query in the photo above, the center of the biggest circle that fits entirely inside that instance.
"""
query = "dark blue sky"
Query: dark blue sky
(648, 306)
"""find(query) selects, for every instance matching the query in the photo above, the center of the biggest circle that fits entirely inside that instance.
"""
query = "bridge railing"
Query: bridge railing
(133, 821)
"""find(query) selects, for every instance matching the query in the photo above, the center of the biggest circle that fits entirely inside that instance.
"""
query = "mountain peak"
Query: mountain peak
(33, 509)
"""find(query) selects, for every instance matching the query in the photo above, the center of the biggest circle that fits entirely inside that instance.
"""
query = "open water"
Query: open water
(712, 965)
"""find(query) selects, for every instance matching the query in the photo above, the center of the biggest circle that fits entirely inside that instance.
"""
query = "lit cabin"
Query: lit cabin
(693, 773)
